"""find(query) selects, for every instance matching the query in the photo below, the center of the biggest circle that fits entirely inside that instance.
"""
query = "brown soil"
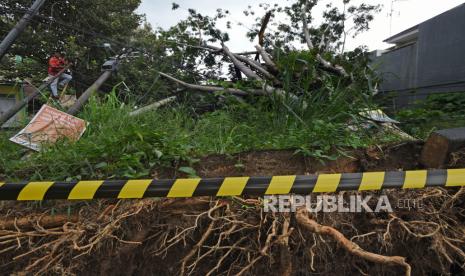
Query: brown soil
(230, 236)
(261, 163)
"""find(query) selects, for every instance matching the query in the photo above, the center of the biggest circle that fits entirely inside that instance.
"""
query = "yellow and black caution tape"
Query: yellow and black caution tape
(232, 186)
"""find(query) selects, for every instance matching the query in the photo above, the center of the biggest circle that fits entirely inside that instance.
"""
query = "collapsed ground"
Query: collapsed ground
(232, 236)
(294, 105)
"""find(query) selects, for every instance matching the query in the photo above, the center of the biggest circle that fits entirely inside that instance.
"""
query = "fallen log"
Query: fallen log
(153, 106)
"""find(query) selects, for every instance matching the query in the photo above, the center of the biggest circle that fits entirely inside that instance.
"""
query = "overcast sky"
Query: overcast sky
(407, 13)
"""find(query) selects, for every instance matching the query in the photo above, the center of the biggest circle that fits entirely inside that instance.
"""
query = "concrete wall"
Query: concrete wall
(398, 68)
(435, 63)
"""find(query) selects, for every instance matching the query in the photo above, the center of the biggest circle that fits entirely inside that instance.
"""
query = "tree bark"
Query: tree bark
(153, 106)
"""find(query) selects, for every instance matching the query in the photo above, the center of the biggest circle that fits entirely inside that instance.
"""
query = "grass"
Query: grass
(118, 146)
(438, 111)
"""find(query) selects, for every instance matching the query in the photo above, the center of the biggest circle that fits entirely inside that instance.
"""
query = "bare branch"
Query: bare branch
(257, 66)
(207, 88)
(305, 27)
(152, 106)
(331, 68)
(323, 45)
(246, 53)
(266, 58)
(261, 33)
(241, 66)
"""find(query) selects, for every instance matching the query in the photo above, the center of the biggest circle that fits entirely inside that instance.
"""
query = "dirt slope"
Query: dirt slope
(230, 236)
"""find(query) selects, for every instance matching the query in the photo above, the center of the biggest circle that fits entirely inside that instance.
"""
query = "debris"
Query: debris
(378, 116)
(67, 101)
(48, 126)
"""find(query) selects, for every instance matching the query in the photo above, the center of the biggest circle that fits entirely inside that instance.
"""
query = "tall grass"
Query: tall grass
(118, 146)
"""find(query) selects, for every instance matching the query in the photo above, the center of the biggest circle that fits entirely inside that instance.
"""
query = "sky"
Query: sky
(406, 13)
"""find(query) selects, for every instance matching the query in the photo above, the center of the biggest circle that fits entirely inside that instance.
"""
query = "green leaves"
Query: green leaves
(189, 171)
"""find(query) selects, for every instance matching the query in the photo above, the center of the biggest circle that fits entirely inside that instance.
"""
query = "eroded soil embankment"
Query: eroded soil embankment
(229, 236)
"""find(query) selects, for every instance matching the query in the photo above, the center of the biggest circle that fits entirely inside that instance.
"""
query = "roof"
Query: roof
(403, 36)
(412, 33)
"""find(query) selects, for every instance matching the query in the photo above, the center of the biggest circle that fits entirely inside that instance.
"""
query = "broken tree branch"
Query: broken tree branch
(255, 65)
(240, 56)
(153, 106)
(250, 74)
(261, 33)
(241, 66)
(207, 88)
(266, 58)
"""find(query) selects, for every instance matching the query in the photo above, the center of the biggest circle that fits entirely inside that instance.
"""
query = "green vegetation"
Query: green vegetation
(119, 146)
(438, 111)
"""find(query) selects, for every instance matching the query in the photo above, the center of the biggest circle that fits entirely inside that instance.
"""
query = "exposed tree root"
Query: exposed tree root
(27, 223)
(311, 225)
(235, 237)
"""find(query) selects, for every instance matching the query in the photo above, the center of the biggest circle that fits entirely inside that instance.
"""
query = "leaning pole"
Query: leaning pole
(19, 105)
(109, 67)
(20, 26)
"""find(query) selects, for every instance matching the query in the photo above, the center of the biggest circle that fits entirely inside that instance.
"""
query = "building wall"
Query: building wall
(435, 63)
(398, 68)
(10, 94)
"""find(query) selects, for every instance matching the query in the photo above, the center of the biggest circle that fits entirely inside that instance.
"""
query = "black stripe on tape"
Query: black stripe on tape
(159, 188)
(110, 189)
(208, 187)
(350, 182)
(393, 180)
(10, 191)
(436, 178)
(304, 184)
(60, 190)
(257, 186)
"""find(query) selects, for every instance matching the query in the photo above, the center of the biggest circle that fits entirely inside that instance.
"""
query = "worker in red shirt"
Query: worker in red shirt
(55, 64)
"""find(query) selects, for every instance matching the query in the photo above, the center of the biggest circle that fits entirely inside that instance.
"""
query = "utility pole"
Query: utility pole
(18, 106)
(109, 67)
(20, 26)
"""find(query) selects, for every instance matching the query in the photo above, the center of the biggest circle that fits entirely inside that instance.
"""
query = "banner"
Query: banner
(48, 126)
